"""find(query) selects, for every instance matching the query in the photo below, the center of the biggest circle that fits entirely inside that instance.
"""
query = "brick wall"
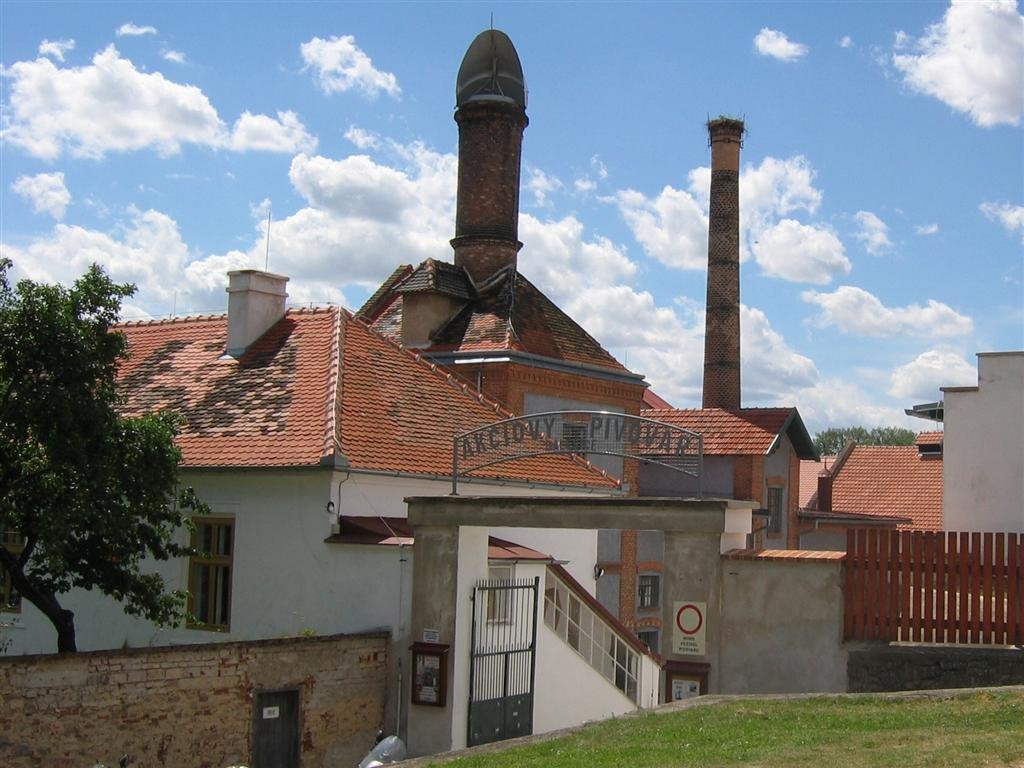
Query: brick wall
(886, 668)
(190, 706)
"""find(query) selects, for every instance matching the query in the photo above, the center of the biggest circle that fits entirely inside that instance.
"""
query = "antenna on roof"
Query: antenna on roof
(266, 261)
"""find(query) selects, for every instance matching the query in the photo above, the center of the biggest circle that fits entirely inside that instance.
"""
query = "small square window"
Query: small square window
(648, 591)
(574, 437)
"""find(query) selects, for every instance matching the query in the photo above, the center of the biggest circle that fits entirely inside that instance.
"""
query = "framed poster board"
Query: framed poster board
(429, 674)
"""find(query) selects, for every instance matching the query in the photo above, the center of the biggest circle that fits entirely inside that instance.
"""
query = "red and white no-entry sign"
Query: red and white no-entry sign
(689, 619)
(689, 628)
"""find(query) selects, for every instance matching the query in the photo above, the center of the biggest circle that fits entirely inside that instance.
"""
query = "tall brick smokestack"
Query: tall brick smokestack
(722, 318)
(491, 115)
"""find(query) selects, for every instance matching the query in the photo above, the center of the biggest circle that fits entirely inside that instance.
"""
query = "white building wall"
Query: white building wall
(983, 448)
(286, 579)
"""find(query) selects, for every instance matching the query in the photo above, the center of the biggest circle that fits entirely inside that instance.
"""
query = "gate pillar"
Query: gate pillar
(448, 560)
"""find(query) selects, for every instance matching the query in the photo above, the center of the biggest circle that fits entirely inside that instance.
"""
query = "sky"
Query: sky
(882, 181)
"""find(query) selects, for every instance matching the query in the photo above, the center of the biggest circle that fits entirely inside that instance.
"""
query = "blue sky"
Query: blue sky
(882, 184)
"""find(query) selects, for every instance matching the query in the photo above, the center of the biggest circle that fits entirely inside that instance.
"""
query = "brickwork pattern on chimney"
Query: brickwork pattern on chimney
(487, 206)
(722, 317)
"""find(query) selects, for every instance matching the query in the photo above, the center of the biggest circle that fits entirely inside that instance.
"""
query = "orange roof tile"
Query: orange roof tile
(890, 481)
(809, 471)
(749, 431)
(792, 555)
(929, 438)
(653, 400)
(316, 386)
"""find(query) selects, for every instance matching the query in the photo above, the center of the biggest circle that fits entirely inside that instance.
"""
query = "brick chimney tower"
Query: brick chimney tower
(722, 319)
(491, 114)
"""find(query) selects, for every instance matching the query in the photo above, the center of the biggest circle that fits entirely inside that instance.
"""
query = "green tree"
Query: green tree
(91, 494)
(831, 441)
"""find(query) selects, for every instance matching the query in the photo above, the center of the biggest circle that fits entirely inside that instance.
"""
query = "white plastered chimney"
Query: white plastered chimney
(256, 300)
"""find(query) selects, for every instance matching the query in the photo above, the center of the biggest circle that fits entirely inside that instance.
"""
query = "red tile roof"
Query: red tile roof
(809, 471)
(792, 555)
(890, 481)
(929, 438)
(653, 400)
(749, 431)
(508, 314)
(317, 385)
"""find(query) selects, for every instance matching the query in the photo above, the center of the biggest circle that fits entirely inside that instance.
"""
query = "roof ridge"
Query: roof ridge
(460, 384)
(169, 320)
(332, 407)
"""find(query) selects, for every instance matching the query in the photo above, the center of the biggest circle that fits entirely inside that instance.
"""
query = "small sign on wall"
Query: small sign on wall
(689, 628)
(271, 713)
(684, 689)
(429, 674)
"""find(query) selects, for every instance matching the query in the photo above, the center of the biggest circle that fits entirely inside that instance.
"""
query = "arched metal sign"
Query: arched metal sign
(579, 433)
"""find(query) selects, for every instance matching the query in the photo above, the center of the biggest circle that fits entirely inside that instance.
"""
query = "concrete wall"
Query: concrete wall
(902, 668)
(983, 448)
(189, 706)
(782, 624)
(661, 481)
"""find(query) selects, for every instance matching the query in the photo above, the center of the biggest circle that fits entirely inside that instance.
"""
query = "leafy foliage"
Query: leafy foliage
(831, 441)
(93, 493)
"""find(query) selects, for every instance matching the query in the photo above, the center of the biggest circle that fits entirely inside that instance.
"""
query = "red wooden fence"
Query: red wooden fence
(934, 587)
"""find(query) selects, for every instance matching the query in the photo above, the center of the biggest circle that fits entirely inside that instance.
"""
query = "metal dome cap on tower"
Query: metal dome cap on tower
(491, 71)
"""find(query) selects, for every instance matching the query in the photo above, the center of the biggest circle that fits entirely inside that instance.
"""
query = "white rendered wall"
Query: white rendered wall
(286, 579)
(473, 567)
(983, 448)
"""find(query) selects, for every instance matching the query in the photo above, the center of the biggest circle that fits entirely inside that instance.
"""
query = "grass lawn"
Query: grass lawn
(981, 729)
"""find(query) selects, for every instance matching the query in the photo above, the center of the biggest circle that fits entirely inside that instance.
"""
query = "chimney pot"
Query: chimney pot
(824, 491)
(256, 300)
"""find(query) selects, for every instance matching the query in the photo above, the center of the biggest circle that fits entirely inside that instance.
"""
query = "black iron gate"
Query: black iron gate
(503, 659)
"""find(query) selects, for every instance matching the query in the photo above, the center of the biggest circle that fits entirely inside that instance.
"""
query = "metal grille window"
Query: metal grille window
(209, 578)
(10, 600)
(649, 637)
(774, 510)
(574, 437)
(648, 591)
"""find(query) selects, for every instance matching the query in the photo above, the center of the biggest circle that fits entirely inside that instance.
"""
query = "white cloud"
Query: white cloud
(920, 379)
(1010, 216)
(900, 40)
(837, 401)
(873, 232)
(585, 184)
(56, 48)
(263, 133)
(145, 248)
(673, 227)
(771, 42)
(340, 66)
(972, 60)
(111, 106)
(926, 229)
(562, 263)
(46, 192)
(855, 311)
(599, 167)
(363, 139)
(176, 57)
(770, 367)
(541, 185)
(133, 30)
(846, 42)
(800, 253)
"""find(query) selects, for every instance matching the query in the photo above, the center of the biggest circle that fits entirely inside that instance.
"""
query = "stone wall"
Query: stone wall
(903, 668)
(190, 706)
